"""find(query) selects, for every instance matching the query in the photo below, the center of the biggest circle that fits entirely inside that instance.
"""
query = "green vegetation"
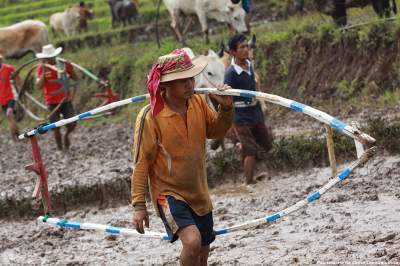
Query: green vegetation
(284, 47)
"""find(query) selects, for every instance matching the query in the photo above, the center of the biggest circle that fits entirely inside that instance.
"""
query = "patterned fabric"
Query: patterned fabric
(177, 61)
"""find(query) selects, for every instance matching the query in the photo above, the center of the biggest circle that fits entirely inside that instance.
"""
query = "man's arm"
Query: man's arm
(40, 76)
(219, 123)
(145, 147)
(18, 81)
(72, 73)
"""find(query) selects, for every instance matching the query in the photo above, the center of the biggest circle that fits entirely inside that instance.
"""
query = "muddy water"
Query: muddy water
(355, 222)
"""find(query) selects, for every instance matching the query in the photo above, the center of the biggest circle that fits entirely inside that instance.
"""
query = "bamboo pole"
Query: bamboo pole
(331, 149)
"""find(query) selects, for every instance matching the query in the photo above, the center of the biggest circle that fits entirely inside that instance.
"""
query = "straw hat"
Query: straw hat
(48, 51)
(184, 67)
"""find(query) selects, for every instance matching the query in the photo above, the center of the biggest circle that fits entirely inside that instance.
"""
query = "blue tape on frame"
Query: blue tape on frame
(138, 99)
(73, 225)
(344, 174)
(248, 94)
(166, 237)
(51, 126)
(113, 230)
(298, 107)
(314, 196)
(273, 217)
(337, 124)
(221, 232)
(62, 223)
(84, 115)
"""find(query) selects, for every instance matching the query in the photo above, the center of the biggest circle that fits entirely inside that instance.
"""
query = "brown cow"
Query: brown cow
(21, 38)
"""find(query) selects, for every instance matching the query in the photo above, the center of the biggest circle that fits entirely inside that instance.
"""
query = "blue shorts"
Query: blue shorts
(176, 214)
(10, 104)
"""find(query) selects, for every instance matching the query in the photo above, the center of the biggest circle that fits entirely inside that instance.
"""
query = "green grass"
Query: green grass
(126, 64)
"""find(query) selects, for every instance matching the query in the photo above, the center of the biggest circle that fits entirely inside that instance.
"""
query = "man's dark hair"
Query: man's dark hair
(81, 3)
(235, 40)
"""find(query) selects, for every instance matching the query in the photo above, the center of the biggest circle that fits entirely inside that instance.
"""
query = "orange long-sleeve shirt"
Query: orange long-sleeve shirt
(171, 155)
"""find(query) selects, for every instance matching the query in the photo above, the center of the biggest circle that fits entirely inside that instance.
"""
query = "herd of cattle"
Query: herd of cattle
(31, 35)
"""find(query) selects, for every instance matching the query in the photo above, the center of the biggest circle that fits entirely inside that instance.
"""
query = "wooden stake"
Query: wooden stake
(331, 149)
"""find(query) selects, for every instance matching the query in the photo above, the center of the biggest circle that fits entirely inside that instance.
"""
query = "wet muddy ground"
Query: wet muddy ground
(355, 222)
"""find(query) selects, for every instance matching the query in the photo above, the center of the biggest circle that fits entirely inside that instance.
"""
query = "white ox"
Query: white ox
(66, 22)
(220, 10)
(21, 38)
(213, 74)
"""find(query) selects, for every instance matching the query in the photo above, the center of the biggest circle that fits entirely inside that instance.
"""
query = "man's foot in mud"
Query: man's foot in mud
(238, 148)
(59, 145)
(67, 143)
(215, 143)
(261, 176)
(14, 135)
(250, 182)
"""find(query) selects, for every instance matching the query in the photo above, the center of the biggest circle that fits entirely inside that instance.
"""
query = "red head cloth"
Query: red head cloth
(176, 61)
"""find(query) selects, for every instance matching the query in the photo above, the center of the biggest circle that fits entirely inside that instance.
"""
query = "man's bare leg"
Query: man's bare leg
(57, 136)
(248, 165)
(70, 129)
(191, 245)
(12, 124)
(204, 255)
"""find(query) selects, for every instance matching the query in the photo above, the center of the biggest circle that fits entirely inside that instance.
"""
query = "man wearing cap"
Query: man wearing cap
(7, 101)
(248, 125)
(53, 76)
(169, 154)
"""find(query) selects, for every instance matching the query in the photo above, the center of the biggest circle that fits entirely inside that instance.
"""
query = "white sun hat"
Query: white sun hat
(48, 51)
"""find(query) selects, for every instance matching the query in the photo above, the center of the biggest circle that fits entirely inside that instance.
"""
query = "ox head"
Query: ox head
(236, 18)
(213, 74)
(233, 14)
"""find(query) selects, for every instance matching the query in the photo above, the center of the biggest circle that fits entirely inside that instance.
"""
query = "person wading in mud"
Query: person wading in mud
(169, 152)
(7, 102)
(248, 126)
(53, 77)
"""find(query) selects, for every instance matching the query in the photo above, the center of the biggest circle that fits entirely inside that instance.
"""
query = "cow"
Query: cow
(21, 38)
(337, 8)
(66, 22)
(123, 11)
(220, 10)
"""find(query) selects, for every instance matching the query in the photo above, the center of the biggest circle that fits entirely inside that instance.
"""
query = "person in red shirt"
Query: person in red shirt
(84, 14)
(54, 77)
(7, 100)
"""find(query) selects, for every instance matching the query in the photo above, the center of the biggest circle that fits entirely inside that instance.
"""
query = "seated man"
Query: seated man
(248, 124)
